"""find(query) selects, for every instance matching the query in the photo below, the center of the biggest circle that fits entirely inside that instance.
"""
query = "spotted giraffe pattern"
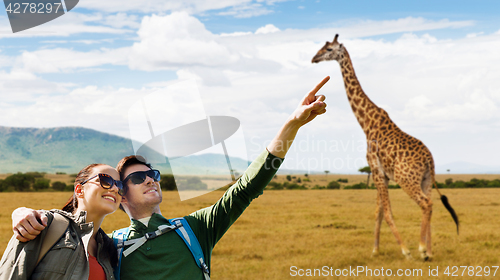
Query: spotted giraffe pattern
(391, 153)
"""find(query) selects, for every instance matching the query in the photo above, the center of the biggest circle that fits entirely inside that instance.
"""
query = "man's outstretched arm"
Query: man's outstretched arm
(28, 223)
(210, 223)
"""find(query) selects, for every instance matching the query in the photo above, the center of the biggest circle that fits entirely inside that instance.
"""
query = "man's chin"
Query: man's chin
(154, 198)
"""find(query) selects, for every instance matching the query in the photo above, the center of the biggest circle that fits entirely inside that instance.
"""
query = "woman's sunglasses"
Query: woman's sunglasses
(140, 176)
(107, 182)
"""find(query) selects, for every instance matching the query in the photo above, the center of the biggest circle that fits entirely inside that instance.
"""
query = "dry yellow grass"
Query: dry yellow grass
(312, 229)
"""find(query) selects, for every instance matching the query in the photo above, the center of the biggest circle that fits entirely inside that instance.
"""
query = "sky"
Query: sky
(432, 65)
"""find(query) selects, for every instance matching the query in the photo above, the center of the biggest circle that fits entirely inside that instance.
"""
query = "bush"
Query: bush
(458, 184)
(274, 186)
(318, 187)
(358, 186)
(191, 183)
(493, 184)
(69, 188)
(59, 186)
(448, 181)
(288, 178)
(41, 184)
(299, 181)
(293, 186)
(333, 185)
(477, 183)
(36, 174)
(20, 182)
(342, 180)
(167, 182)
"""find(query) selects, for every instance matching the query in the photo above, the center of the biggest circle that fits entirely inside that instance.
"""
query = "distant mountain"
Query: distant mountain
(69, 149)
(461, 167)
(60, 149)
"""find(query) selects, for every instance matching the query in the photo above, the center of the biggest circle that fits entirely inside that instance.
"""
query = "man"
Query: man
(167, 256)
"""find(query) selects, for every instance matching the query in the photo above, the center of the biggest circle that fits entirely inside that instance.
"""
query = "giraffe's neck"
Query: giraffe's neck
(362, 107)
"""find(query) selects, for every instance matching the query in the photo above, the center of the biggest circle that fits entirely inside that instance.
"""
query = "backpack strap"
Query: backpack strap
(181, 227)
(55, 231)
(188, 236)
(136, 243)
(119, 238)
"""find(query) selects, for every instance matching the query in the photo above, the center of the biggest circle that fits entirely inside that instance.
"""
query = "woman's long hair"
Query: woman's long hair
(72, 204)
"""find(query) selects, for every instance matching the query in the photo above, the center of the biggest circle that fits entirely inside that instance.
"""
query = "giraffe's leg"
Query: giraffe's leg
(425, 236)
(415, 192)
(429, 243)
(427, 189)
(379, 214)
(382, 187)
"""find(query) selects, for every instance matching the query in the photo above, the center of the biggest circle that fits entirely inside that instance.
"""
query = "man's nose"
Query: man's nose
(149, 180)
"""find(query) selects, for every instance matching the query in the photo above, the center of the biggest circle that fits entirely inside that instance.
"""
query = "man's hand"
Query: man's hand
(28, 223)
(311, 106)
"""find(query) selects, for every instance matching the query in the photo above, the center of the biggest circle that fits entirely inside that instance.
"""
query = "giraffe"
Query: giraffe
(391, 154)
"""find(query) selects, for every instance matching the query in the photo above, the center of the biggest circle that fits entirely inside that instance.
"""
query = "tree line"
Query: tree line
(36, 182)
(30, 181)
(449, 183)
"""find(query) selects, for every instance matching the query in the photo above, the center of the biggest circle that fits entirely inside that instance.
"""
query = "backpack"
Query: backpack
(181, 227)
(55, 231)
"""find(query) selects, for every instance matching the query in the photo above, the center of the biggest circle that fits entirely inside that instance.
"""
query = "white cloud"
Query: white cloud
(247, 11)
(121, 20)
(65, 60)
(19, 86)
(103, 109)
(269, 28)
(70, 23)
(176, 40)
(235, 8)
(153, 6)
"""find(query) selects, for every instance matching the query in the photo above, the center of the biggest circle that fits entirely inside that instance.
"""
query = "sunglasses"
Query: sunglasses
(140, 176)
(107, 182)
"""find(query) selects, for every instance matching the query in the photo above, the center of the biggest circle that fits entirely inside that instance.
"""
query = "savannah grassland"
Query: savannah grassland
(312, 229)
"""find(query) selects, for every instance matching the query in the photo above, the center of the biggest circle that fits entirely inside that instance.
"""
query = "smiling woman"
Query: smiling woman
(98, 192)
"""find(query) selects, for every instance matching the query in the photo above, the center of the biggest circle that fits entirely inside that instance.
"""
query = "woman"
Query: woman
(84, 251)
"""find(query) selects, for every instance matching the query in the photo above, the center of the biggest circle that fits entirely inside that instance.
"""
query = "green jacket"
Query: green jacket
(67, 259)
(168, 257)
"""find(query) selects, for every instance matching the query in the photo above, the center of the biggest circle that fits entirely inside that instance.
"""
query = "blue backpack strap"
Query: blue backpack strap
(188, 236)
(119, 238)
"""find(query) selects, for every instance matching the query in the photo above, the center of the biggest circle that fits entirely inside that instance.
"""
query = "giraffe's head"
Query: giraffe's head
(330, 51)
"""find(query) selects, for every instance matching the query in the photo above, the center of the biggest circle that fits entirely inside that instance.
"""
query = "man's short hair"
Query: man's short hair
(128, 161)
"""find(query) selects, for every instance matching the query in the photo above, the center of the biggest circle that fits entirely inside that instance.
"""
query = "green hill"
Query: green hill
(60, 149)
(69, 149)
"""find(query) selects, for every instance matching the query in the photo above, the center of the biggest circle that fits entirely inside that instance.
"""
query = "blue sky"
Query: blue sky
(433, 65)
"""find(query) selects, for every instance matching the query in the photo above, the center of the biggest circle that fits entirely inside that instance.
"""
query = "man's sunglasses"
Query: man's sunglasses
(140, 176)
(107, 182)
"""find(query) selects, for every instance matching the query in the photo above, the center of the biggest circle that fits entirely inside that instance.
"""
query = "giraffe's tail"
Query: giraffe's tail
(448, 207)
